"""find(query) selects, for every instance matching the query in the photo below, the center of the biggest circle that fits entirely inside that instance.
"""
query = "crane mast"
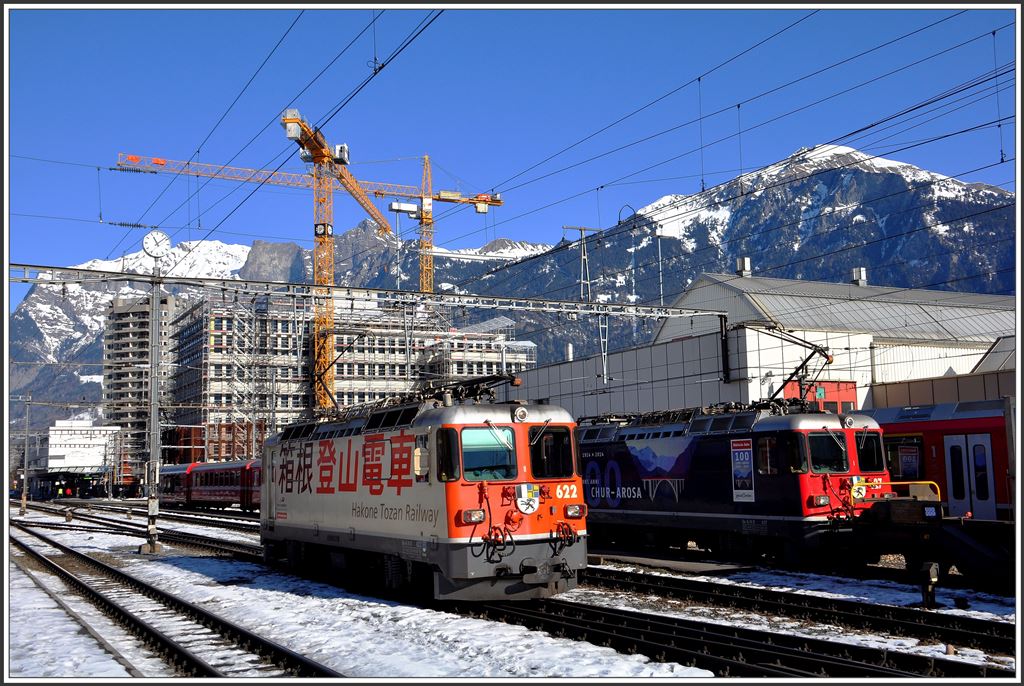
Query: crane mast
(328, 169)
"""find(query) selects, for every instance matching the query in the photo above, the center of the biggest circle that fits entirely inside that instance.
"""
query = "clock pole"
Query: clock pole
(156, 246)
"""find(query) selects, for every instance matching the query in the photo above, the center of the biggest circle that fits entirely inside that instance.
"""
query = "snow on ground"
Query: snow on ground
(336, 628)
(982, 606)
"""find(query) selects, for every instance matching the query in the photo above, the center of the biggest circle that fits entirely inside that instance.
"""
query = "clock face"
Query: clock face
(156, 244)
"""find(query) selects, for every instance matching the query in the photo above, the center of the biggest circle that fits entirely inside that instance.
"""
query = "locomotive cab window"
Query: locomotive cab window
(447, 455)
(488, 454)
(870, 456)
(550, 452)
(828, 452)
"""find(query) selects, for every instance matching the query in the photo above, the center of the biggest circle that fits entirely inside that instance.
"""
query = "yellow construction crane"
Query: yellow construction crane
(425, 213)
(328, 171)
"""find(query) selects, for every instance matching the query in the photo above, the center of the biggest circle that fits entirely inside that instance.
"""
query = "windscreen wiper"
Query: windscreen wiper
(541, 432)
(498, 435)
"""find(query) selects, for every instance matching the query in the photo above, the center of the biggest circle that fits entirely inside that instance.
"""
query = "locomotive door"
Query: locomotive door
(969, 478)
(268, 486)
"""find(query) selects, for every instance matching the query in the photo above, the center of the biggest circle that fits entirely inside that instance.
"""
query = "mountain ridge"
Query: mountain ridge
(815, 215)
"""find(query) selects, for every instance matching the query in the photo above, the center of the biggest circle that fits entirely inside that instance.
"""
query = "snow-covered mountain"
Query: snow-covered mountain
(814, 215)
(64, 322)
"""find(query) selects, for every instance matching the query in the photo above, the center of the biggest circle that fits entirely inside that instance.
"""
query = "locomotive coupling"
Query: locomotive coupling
(537, 572)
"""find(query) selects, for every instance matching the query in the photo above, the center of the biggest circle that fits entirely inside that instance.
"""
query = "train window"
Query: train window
(956, 469)
(375, 421)
(832, 407)
(721, 423)
(488, 454)
(698, 426)
(980, 472)
(677, 433)
(390, 419)
(607, 433)
(828, 452)
(767, 455)
(408, 414)
(795, 452)
(447, 455)
(743, 421)
(589, 434)
(869, 452)
(550, 453)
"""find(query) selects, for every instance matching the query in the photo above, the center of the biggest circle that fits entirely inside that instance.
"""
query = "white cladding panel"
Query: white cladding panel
(904, 362)
(77, 444)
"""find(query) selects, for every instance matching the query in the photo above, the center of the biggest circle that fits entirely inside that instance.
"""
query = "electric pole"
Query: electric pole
(27, 399)
(156, 244)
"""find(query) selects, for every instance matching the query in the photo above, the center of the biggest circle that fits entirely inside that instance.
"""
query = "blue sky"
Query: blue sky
(487, 93)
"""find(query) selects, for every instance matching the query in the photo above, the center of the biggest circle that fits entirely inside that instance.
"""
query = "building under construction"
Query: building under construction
(126, 355)
(243, 368)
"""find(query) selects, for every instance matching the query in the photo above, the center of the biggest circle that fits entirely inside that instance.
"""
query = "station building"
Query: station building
(81, 460)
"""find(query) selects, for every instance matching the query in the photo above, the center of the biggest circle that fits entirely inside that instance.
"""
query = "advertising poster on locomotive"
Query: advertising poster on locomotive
(647, 473)
(742, 470)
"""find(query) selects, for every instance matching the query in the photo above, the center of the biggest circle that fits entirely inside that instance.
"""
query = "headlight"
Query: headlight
(575, 511)
(818, 500)
(472, 516)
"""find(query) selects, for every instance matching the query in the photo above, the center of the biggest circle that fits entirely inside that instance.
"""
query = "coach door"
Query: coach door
(969, 477)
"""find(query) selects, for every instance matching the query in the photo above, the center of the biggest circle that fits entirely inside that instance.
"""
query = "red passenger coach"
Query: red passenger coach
(960, 446)
(458, 500)
(208, 485)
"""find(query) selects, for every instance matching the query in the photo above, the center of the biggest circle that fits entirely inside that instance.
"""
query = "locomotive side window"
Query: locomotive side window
(489, 454)
(869, 453)
(780, 453)
(828, 452)
(767, 455)
(550, 453)
(447, 455)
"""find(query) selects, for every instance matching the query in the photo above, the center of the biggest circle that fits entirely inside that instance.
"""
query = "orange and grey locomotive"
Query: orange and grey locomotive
(462, 500)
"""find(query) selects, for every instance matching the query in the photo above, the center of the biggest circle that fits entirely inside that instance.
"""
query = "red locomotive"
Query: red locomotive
(773, 479)
(470, 500)
(211, 485)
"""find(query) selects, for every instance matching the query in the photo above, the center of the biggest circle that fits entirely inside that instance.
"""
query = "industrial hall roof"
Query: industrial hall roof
(885, 312)
(1000, 357)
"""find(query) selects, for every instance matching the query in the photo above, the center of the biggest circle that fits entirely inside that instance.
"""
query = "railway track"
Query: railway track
(194, 640)
(236, 522)
(957, 630)
(727, 651)
(250, 552)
